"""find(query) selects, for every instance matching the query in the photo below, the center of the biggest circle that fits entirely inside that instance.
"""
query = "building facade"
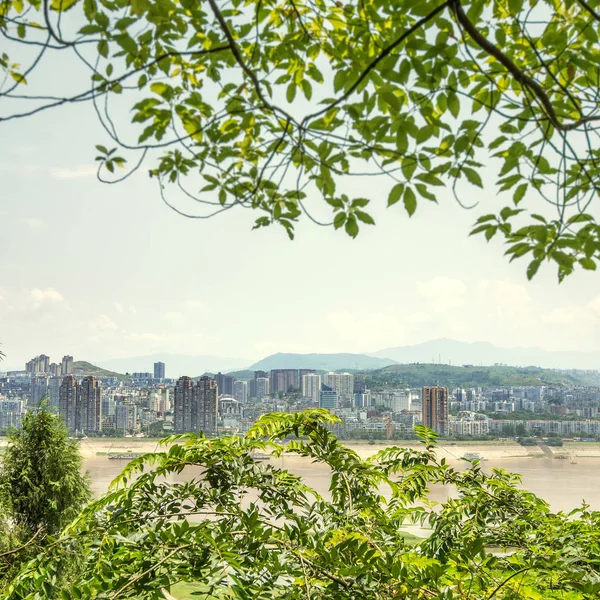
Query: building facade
(240, 391)
(263, 387)
(196, 406)
(67, 365)
(434, 409)
(39, 389)
(311, 386)
(328, 399)
(225, 384)
(284, 380)
(342, 383)
(184, 398)
(159, 370)
(67, 404)
(89, 405)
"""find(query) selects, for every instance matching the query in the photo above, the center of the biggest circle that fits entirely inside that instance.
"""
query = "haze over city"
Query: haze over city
(109, 271)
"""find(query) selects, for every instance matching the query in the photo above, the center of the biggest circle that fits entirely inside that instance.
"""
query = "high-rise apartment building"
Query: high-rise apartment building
(225, 384)
(240, 391)
(311, 386)
(328, 398)
(342, 383)
(159, 370)
(196, 405)
(55, 369)
(284, 380)
(89, 405)
(263, 387)
(38, 365)
(252, 391)
(435, 408)
(67, 365)
(362, 399)
(302, 373)
(184, 398)
(54, 392)
(126, 416)
(39, 389)
(207, 403)
(11, 413)
(67, 407)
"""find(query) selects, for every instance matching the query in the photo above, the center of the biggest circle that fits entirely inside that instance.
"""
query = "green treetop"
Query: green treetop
(42, 484)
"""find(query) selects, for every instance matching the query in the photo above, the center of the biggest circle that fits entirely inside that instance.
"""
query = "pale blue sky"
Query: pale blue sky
(102, 271)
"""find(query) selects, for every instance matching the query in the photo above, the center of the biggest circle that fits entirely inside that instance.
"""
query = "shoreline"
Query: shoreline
(489, 450)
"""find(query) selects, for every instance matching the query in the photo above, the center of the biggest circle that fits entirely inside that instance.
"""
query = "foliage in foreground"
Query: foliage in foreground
(270, 105)
(238, 528)
(42, 489)
(41, 479)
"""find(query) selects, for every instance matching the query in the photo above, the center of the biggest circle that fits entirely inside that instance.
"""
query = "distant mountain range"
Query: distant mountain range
(175, 364)
(321, 362)
(483, 353)
(446, 351)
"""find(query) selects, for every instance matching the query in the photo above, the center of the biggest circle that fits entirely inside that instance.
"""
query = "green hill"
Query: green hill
(419, 374)
(84, 368)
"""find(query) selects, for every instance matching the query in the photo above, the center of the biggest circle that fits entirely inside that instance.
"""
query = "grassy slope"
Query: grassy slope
(81, 367)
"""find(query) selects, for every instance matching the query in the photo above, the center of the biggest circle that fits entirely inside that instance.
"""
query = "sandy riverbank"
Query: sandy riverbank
(492, 451)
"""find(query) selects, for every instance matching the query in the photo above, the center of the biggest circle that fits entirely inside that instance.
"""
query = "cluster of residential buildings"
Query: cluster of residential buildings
(223, 404)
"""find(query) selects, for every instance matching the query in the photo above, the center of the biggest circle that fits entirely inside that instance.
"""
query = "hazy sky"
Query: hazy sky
(102, 271)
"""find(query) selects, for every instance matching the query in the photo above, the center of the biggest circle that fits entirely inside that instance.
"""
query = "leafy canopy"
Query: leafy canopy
(206, 513)
(269, 105)
(42, 485)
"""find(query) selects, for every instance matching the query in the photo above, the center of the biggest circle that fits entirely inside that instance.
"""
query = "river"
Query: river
(562, 484)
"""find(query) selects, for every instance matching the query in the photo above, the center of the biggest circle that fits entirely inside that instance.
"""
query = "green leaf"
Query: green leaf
(491, 232)
(473, 176)
(453, 104)
(62, 5)
(351, 226)
(339, 220)
(588, 264)
(364, 217)
(291, 92)
(395, 194)
(408, 165)
(519, 193)
(103, 48)
(532, 269)
(410, 201)
(127, 43)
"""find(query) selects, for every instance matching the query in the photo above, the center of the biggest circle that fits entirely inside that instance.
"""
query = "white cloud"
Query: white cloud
(366, 331)
(34, 224)
(103, 323)
(196, 304)
(505, 299)
(417, 318)
(173, 316)
(442, 293)
(124, 309)
(76, 172)
(154, 337)
(49, 295)
(594, 305)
